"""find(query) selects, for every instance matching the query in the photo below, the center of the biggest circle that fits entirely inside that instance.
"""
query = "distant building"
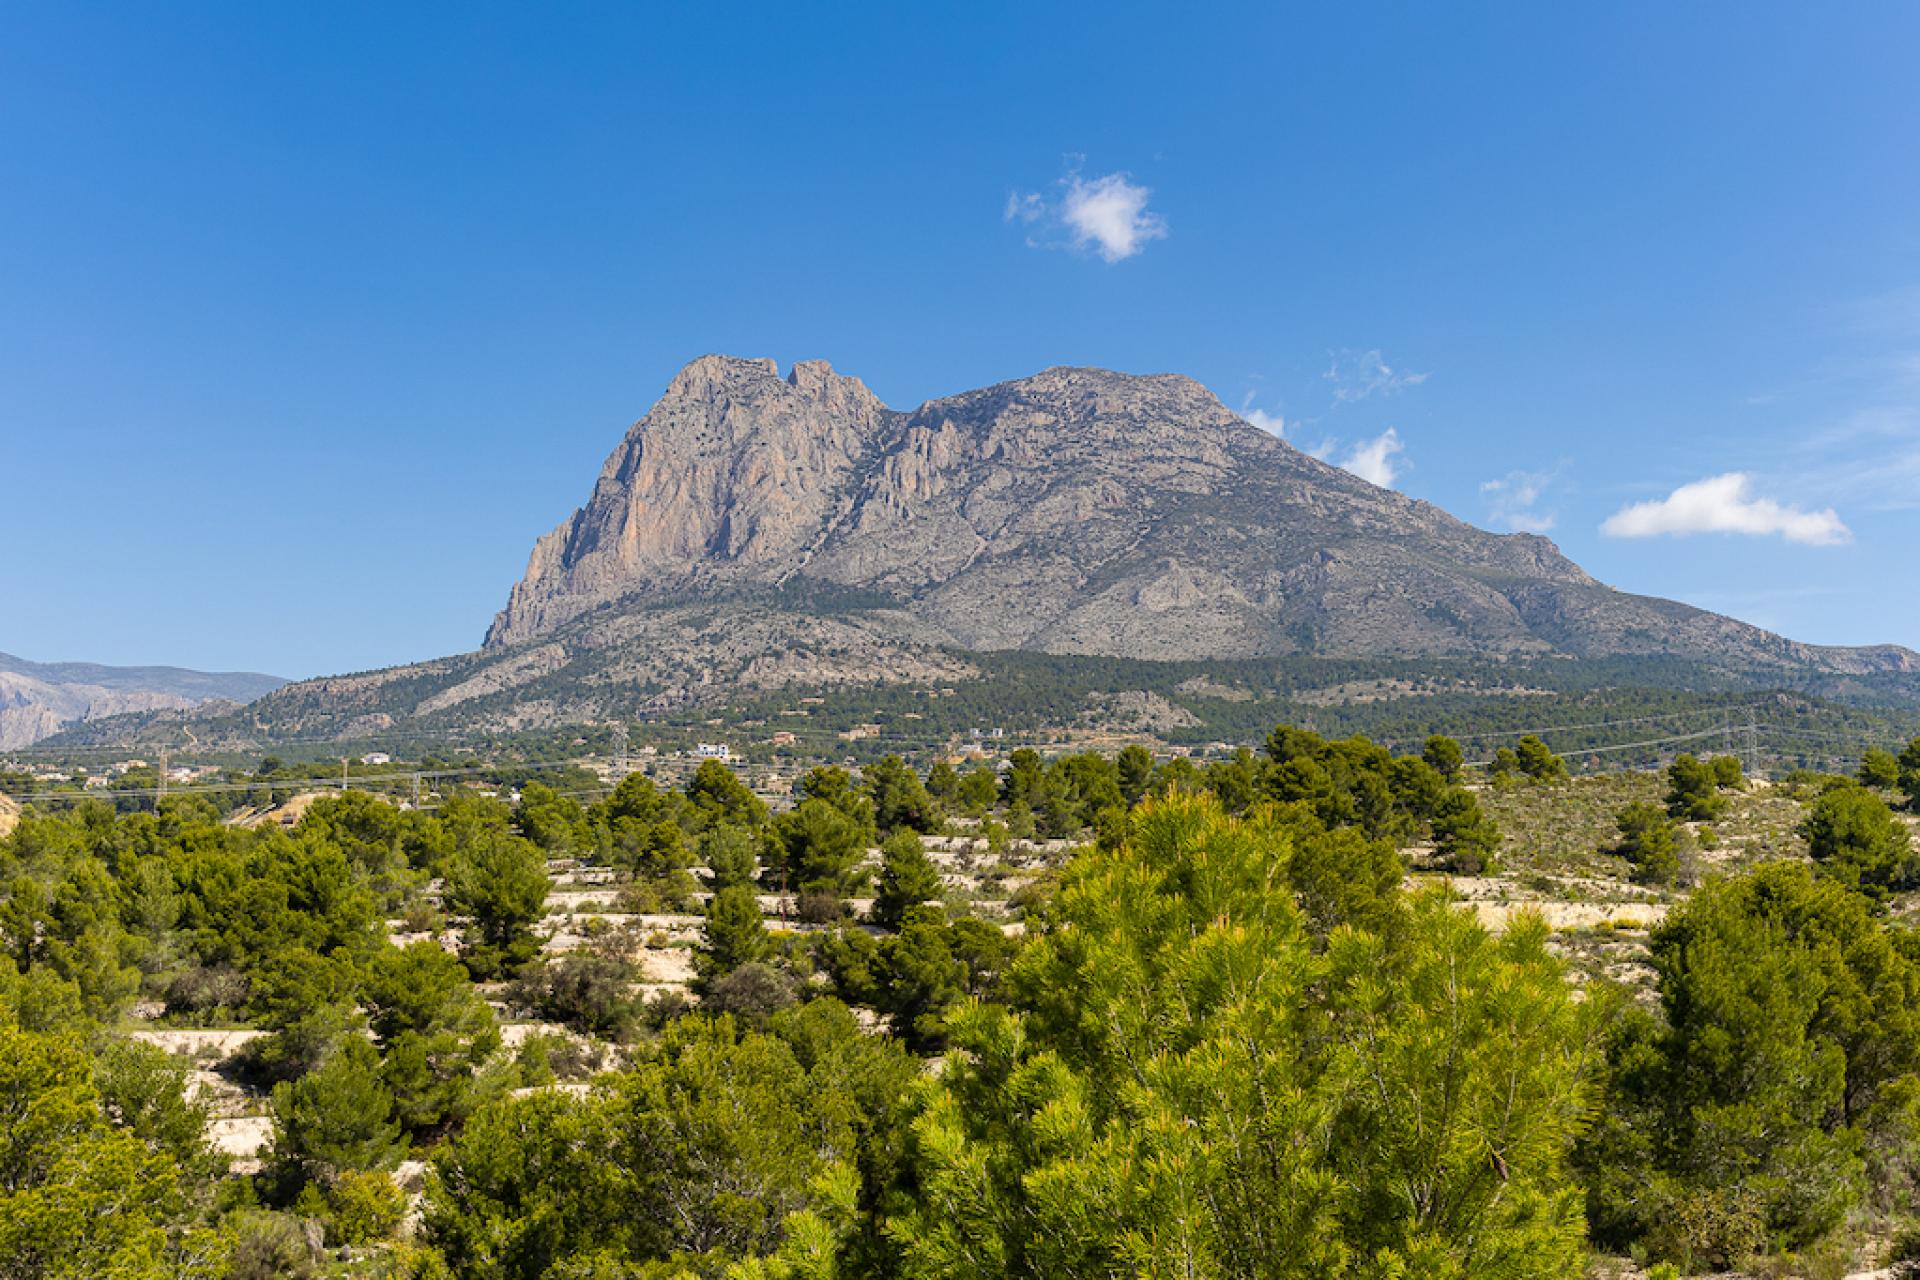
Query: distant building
(783, 738)
(712, 751)
(376, 757)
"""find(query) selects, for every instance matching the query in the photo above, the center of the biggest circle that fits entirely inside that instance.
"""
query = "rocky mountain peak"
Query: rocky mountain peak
(1077, 510)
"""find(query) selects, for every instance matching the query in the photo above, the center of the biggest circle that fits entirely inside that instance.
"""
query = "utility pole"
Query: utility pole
(1753, 744)
(343, 773)
(162, 795)
(619, 752)
(416, 790)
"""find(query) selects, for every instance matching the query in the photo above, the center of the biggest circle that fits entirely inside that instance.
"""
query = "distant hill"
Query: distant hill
(756, 532)
(39, 699)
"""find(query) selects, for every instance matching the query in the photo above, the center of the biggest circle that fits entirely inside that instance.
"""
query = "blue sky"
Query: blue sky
(313, 317)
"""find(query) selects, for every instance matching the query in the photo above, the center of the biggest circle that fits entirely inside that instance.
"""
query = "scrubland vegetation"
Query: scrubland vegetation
(1321, 1010)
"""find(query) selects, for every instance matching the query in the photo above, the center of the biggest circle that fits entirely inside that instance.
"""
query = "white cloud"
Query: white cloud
(1513, 500)
(1373, 460)
(1270, 422)
(1723, 504)
(1108, 215)
(1355, 375)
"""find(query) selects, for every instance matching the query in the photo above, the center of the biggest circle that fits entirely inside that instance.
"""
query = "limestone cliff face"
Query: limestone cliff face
(1075, 511)
(730, 478)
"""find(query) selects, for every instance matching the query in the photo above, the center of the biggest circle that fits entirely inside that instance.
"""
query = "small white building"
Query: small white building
(376, 757)
(712, 751)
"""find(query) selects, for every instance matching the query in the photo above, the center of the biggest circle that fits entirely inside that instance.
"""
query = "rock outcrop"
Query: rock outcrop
(1075, 511)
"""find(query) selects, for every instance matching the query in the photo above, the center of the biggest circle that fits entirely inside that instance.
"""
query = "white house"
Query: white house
(712, 751)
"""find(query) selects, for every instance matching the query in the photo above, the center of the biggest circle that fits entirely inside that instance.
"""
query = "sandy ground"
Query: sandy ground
(198, 1042)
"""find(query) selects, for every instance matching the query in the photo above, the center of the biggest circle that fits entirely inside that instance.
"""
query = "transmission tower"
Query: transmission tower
(619, 752)
(162, 792)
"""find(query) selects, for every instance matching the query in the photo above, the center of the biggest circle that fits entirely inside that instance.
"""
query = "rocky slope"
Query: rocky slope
(1075, 511)
(39, 699)
(756, 533)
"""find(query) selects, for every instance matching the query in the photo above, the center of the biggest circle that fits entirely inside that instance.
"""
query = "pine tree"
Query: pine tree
(907, 878)
(735, 934)
(336, 1118)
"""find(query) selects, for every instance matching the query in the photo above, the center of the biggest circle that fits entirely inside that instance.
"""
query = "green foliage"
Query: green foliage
(498, 881)
(1182, 1086)
(1879, 768)
(907, 878)
(1650, 842)
(1444, 754)
(817, 846)
(1789, 1047)
(730, 855)
(335, 1119)
(717, 795)
(80, 1195)
(916, 976)
(735, 934)
(1538, 762)
(943, 782)
(1909, 766)
(555, 823)
(1464, 838)
(645, 827)
(587, 990)
(1338, 877)
(979, 788)
(1134, 766)
(1693, 790)
(899, 798)
(434, 1032)
(699, 1156)
(364, 1206)
(1858, 841)
(1506, 764)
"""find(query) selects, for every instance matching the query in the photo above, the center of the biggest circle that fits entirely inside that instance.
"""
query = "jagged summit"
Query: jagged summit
(1077, 510)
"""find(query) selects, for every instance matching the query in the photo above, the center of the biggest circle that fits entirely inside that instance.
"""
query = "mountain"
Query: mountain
(756, 533)
(1076, 511)
(39, 699)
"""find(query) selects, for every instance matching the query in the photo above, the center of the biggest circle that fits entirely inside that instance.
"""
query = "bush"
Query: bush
(1879, 768)
(752, 993)
(363, 1207)
(586, 990)
(1693, 790)
(1858, 841)
(821, 906)
(1649, 842)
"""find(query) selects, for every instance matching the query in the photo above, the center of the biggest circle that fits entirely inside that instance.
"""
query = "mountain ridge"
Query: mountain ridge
(1077, 510)
(39, 699)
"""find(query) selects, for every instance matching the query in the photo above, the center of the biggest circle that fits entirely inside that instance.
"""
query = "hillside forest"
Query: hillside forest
(1318, 1010)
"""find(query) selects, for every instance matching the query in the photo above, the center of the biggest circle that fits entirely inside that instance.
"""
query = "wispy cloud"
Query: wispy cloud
(1107, 215)
(1513, 500)
(1357, 375)
(1377, 460)
(1725, 504)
